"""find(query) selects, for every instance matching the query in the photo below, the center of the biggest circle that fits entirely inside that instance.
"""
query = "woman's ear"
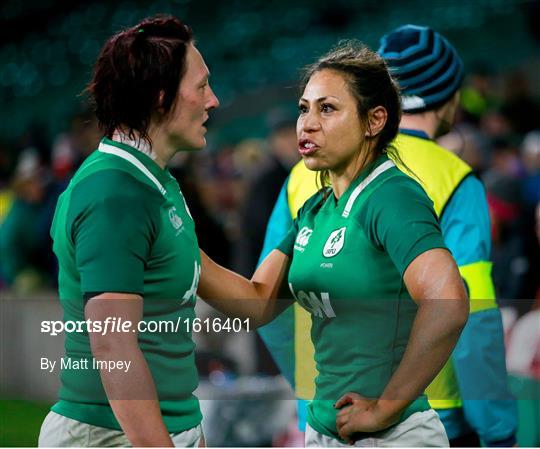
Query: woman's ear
(160, 101)
(376, 121)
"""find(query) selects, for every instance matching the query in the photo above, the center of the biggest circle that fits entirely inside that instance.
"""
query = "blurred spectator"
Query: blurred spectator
(222, 187)
(40, 176)
(510, 264)
(210, 233)
(478, 95)
(524, 345)
(530, 153)
(264, 188)
(494, 124)
(505, 159)
(521, 109)
(248, 156)
(27, 263)
(71, 148)
(515, 251)
(468, 143)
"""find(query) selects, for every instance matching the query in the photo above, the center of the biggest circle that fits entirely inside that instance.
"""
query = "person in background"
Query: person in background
(530, 151)
(26, 262)
(264, 188)
(127, 249)
(210, 232)
(72, 147)
(471, 393)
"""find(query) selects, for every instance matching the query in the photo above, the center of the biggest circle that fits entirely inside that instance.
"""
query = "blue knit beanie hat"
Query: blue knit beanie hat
(426, 66)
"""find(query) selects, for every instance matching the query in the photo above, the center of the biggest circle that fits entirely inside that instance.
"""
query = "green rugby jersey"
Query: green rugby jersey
(348, 259)
(122, 225)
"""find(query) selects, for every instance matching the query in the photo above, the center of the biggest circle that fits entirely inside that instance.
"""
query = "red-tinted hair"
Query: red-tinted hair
(133, 68)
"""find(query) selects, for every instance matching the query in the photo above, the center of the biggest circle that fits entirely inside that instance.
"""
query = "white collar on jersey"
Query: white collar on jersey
(126, 155)
(140, 144)
(358, 189)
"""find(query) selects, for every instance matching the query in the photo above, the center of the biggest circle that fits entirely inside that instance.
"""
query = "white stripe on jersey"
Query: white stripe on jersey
(110, 149)
(380, 169)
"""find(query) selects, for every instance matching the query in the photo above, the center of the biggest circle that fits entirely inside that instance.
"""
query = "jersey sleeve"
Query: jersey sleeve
(112, 231)
(399, 218)
(287, 243)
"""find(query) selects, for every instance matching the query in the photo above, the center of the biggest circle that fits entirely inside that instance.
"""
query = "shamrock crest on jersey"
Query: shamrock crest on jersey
(335, 242)
(176, 221)
(302, 239)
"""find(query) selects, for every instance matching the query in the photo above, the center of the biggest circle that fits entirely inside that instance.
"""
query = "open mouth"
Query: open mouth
(203, 125)
(306, 147)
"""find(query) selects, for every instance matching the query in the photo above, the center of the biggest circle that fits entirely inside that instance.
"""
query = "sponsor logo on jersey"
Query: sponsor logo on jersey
(335, 242)
(175, 220)
(320, 306)
(302, 239)
(191, 294)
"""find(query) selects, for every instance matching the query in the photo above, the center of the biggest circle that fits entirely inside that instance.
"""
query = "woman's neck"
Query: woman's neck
(340, 182)
(158, 151)
(161, 146)
(342, 179)
(424, 121)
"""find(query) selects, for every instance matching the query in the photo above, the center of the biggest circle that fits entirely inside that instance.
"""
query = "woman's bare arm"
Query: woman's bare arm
(434, 283)
(132, 394)
(236, 296)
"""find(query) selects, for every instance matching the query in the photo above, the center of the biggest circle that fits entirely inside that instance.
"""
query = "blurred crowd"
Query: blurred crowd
(232, 189)
(498, 134)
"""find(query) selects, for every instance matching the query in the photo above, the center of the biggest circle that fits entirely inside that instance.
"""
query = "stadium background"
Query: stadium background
(254, 51)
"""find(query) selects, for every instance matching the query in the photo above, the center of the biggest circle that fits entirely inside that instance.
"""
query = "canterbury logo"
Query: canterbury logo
(302, 239)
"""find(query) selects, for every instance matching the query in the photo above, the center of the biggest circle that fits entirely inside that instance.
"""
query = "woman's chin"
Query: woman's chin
(313, 164)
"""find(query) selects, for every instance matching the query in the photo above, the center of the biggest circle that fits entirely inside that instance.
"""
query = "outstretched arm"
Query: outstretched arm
(434, 283)
(237, 296)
